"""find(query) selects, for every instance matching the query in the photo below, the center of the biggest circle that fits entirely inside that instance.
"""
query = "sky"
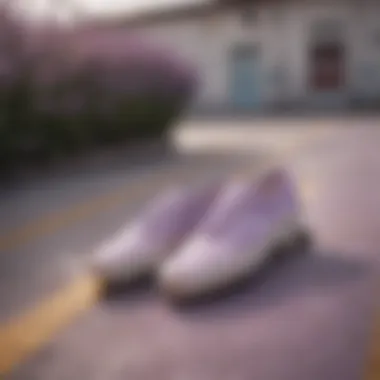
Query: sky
(47, 8)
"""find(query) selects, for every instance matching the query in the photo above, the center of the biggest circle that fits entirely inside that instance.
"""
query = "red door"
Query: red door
(327, 67)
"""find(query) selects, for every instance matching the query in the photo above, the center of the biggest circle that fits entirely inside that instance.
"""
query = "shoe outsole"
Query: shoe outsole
(296, 242)
(115, 288)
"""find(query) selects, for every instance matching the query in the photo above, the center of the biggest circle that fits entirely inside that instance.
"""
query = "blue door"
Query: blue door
(245, 78)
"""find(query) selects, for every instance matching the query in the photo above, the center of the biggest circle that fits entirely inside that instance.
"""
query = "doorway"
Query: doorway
(327, 73)
(327, 67)
(245, 77)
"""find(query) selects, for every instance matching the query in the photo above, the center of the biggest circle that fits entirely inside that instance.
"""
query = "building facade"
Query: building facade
(276, 54)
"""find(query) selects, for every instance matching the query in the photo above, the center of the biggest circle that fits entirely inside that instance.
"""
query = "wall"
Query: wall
(358, 21)
(283, 32)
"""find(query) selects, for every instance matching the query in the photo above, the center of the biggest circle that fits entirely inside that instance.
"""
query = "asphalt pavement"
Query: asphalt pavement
(309, 317)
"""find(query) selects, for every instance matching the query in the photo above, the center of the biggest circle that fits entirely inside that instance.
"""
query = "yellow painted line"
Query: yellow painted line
(25, 335)
(51, 223)
(30, 332)
(373, 363)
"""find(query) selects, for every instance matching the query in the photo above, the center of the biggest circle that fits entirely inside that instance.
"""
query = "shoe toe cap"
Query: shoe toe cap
(190, 274)
(180, 278)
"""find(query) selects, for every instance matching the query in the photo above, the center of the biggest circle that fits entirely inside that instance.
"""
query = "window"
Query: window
(376, 39)
(248, 16)
(245, 51)
(327, 30)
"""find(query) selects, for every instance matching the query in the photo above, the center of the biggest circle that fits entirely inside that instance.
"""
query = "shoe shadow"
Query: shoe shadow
(122, 293)
(297, 274)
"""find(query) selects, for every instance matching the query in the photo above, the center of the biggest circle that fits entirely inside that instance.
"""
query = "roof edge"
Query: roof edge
(173, 13)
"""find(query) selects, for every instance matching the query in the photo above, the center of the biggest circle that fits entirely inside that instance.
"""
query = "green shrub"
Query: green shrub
(66, 90)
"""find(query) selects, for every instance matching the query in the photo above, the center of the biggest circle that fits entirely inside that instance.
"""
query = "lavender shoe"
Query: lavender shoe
(247, 221)
(137, 249)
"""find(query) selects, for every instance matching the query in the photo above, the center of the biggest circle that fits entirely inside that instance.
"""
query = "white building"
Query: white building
(265, 54)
